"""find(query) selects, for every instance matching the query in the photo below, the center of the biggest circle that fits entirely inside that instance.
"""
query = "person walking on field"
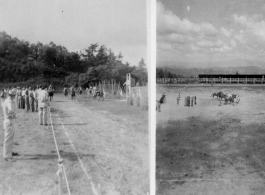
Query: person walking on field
(161, 101)
(9, 106)
(43, 103)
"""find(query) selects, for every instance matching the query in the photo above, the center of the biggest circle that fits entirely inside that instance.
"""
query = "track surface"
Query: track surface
(104, 142)
(211, 149)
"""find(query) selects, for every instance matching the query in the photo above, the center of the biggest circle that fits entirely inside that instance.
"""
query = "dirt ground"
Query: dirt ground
(105, 142)
(211, 149)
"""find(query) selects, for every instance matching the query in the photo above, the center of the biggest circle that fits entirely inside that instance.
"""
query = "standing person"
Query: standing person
(65, 92)
(90, 90)
(178, 99)
(80, 90)
(35, 96)
(3, 96)
(72, 92)
(87, 91)
(23, 98)
(94, 90)
(9, 106)
(43, 103)
(50, 92)
(159, 102)
(27, 99)
(19, 94)
(31, 100)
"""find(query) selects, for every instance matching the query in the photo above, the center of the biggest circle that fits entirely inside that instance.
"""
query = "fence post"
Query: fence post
(60, 175)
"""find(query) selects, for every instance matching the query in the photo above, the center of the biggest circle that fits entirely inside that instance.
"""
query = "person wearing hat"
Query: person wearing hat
(9, 116)
(43, 103)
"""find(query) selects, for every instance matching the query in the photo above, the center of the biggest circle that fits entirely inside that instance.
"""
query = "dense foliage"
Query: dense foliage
(22, 62)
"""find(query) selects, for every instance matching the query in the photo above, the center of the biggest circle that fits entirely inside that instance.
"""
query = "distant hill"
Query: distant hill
(231, 63)
(188, 69)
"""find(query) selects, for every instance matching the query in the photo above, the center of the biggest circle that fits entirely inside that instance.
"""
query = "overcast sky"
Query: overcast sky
(75, 24)
(210, 30)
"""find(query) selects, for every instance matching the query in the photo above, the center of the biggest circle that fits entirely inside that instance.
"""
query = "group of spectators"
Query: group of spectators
(28, 98)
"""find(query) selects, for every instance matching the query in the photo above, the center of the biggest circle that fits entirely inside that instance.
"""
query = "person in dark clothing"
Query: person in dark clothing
(161, 101)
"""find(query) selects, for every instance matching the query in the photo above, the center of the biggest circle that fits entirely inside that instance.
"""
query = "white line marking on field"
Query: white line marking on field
(80, 161)
(94, 190)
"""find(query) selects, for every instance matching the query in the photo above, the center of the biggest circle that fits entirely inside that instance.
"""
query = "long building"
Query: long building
(232, 78)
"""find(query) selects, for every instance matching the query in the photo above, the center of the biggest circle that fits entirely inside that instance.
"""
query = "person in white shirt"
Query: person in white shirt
(31, 100)
(27, 106)
(9, 116)
(43, 103)
(35, 96)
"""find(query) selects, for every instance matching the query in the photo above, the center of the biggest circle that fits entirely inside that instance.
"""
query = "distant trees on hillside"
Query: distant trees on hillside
(21, 61)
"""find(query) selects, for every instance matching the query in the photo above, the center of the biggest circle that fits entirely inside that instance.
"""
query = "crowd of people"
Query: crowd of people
(90, 91)
(30, 99)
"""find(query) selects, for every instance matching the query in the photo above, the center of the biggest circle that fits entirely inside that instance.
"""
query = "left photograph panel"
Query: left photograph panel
(74, 97)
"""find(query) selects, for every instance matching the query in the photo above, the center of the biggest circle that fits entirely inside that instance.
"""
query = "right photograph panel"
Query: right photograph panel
(210, 131)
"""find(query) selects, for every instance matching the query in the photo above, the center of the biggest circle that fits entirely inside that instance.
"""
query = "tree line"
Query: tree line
(22, 62)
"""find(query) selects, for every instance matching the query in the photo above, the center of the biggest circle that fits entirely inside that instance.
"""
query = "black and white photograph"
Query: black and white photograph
(210, 131)
(74, 97)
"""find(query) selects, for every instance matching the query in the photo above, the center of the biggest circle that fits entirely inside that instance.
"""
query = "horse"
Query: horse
(215, 94)
(221, 95)
(229, 98)
(100, 95)
(72, 94)
(65, 92)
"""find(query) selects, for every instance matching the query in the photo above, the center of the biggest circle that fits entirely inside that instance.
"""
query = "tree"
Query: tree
(142, 64)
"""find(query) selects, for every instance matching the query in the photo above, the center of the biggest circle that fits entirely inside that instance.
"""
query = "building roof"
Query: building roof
(231, 74)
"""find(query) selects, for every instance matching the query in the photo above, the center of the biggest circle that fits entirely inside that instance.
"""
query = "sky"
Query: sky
(210, 30)
(75, 24)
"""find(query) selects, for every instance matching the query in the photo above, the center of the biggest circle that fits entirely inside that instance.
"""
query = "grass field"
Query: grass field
(211, 149)
(101, 141)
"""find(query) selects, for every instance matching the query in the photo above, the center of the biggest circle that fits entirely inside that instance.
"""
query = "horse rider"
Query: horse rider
(72, 92)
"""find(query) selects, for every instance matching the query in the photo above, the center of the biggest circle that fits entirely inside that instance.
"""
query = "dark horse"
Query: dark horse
(100, 95)
(219, 95)
(229, 98)
(215, 94)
